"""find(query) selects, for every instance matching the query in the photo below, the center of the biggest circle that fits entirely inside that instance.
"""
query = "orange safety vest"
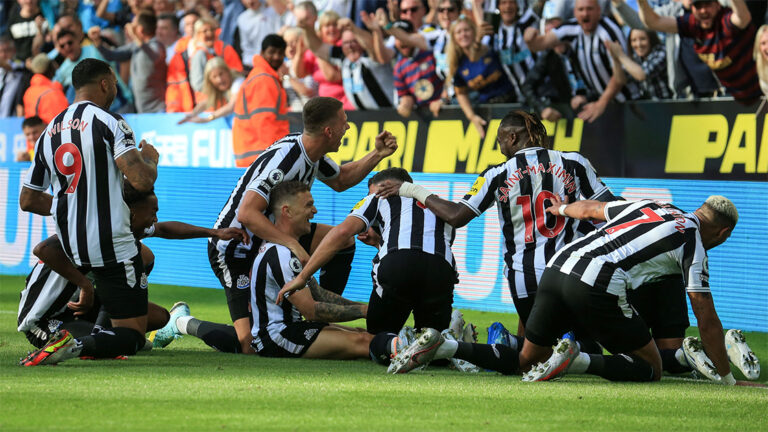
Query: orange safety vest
(260, 113)
(179, 96)
(44, 98)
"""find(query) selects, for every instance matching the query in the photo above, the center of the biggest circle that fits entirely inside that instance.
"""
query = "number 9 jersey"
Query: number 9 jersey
(523, 187)
(76, 156)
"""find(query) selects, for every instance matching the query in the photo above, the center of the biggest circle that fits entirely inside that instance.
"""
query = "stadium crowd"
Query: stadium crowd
(560, 58)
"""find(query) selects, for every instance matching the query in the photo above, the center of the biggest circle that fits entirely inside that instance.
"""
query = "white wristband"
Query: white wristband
(410, 190)
(728, 379)
(561, 210)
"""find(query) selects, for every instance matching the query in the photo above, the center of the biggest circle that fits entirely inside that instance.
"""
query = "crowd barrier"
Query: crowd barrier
(195, 195)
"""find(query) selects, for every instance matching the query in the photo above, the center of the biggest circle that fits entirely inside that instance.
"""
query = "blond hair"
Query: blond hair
(725, 212)
(203, 21)
(760, 61)
(214, 97)
(454, 53)
(327, 17)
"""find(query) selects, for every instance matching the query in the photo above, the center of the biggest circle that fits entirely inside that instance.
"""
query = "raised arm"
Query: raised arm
(653, 21)
(537, 42)
(251, 215)
(741, 16)
(622, 61)
(139, 167)
(627, 14)
(380, 52)
(314, 44)
(352, 173)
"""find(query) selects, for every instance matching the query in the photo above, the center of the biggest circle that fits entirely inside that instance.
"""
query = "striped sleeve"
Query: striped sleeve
(367, 209)
(327, 169)
(482, 193)
(614, 209)
(694, 263)
(568, 31)
(590, 184)
(284, 265)
(38, 177)
(274, 170)
(123, 139)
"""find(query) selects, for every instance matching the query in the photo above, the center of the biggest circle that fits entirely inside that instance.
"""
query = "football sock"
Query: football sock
(335, 272)
(78, 328)
(671, 363)
(220, 337)
(381, 347)
(580, 364)
(620, 367)
(447, 349)
(500, 358)
(589, 346)
(113, 342)
(516, 342)
(102, 321)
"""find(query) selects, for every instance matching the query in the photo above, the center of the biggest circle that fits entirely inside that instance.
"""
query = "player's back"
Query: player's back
(522, 187)
(76, 156)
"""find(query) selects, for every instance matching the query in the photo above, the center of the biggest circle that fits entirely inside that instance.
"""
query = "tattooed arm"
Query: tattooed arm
(321, 309)
(321, 294)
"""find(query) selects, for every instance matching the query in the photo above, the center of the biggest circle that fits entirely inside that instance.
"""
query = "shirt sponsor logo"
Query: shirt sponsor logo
(476, 186)
(359, 204)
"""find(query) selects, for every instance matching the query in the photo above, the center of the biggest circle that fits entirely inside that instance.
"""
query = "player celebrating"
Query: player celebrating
(299, 157)
(84, 154)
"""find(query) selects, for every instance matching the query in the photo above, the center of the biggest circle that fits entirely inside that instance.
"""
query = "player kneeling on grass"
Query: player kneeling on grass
(52, 298)
(585, 285)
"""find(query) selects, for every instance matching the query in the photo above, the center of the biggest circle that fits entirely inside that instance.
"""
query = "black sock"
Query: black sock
(102, 321)
(113, 342)
(220, 337)
(335, 272)
(519, 340)
(381, 348)
(620, 367)
(589, 346)
(78, 328)
(670, 364)
(500, 358)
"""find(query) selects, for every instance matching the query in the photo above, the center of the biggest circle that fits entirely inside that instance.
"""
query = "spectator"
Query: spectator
(32, 127)
(260, 104)
(186, 70)
(161, 7)
(587, 33)
(72, 50)
(476, 70)
(565, 8)
(326, 75)
(23, 22)
(687, 75)
(253, 25)
(368, 84)
(760, 55)
(167, 33)
(648, 65)
(219, 88)
(299, 90)
(121, 16)
(416, 80)
(229, 20)
(722, 39)
(71, 23)
(87, 12)
(553, 81)
(147, 60)
(11, 80)
(44, 98)
(188, 21)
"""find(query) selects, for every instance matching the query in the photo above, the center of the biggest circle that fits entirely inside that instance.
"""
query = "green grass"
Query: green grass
(189, 387)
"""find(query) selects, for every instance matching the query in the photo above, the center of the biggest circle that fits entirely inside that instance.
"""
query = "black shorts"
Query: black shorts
(234, 275)
(408, 281)
(564, 303)
(662, 306)
(294, 340)
(121, 288)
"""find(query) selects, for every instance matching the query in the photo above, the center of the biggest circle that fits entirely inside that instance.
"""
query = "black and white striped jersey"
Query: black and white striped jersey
(76, 157)
(285, 160)
(44, 297)
(514, 54)
(641, 241)
(593, 59)
(368, 84)
(522, 188)
(404, 223)
(274, 266)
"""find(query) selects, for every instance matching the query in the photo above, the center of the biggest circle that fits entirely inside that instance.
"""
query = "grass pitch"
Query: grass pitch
(190, 387)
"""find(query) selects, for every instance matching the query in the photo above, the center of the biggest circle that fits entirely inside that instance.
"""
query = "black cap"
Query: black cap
(404, 25)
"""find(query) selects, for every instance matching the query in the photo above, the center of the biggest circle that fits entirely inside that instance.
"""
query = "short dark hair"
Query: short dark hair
(63, 33)
(283, 192)
(534, 128)
(89, 71)
(394, 173)
(132, 196)
(170, 17)
(273, 40)
(32, 122)
(148, 21)
(318, 112)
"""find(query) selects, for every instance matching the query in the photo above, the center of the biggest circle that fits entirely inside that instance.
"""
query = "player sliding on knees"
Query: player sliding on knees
(585, 285)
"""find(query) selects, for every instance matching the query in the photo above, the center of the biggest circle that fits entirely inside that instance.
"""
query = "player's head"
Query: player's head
(325, 117)
(95, 80)
(718, 217)
(399, 175)
(143, 207)
(293, 206)
(273, 50)
(519, 130)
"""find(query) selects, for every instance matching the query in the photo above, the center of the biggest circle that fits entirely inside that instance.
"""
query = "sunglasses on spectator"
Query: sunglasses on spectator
(446, 10)
(410, 10)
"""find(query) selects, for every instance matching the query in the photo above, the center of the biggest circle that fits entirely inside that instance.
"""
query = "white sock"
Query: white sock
(580, 364)
(680, 357)
(181, 323)
(447, 349)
